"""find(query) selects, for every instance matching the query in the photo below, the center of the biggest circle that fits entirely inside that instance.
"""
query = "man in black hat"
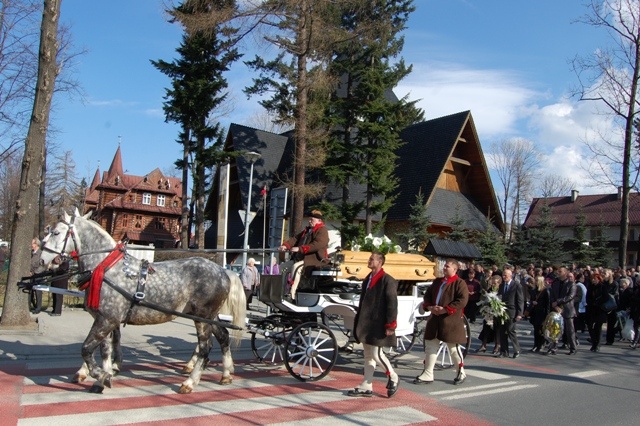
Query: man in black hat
(308, 248)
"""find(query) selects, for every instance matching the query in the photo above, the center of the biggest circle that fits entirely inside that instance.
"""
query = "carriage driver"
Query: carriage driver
(308, 248)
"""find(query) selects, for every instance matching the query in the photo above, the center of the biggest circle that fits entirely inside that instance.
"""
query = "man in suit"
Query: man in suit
(513, 298)
(563, 291)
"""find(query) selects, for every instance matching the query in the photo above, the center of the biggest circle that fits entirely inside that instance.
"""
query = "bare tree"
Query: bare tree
(15, 311)
(515, 161)
(10, 178)
(263, 120)
(62, 186)
(18, 47)
(555, 186)
(610, 76)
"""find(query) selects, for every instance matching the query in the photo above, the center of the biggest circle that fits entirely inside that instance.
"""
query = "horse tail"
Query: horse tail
(236, 306)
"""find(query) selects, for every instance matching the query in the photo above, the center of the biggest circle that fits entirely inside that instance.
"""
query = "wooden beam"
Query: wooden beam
(459, 161)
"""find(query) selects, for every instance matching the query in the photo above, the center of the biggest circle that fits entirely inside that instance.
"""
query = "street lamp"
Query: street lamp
(252, 157)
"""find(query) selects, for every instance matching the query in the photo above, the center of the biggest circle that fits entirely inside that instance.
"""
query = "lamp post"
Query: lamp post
(252, 157)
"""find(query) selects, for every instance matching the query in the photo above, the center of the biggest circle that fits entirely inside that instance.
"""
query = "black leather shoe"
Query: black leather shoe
(36, 311)
(392, 388)
(419, 381)
(504, 354)
(360, 392)
(460, 378)
(516, 355)
(572, 352)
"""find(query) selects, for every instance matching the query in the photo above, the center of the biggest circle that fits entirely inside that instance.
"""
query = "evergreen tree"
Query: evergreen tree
(418, 236)
(458, 231)
(600, 244)
(294, 85)
(546, 247)
(198, 88)
(490, 244)
(520, 248)
(582, 252)
(365, 120)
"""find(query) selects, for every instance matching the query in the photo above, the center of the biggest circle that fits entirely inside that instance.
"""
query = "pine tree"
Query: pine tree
(197, 89)
(601, 250)
(490, 244)
(418, 236)
(582, 252)
(365, 122)
(546, 247)
(458, 231)
(520, 248)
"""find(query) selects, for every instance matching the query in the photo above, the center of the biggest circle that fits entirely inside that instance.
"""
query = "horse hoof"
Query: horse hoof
(187, 370)
(77, 378)
(184, 389)
(107, 381)
(96, 388)
(226, 381)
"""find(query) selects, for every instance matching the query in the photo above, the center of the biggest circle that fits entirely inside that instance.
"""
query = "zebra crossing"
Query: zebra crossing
(146, 394)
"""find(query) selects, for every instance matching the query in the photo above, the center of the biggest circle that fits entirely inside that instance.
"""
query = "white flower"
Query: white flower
(356, 247)
(397, 249)
(386, 239)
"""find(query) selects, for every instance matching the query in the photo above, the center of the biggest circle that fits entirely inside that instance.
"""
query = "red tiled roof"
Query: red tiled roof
(597, 209)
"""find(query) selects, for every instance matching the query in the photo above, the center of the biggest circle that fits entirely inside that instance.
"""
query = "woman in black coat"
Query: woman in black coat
(596, 295)
(539, 307)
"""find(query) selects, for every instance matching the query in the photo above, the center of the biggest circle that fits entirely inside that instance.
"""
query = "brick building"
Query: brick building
(143, 209)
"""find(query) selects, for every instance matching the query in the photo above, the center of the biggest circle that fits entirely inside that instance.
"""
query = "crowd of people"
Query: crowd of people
(586, 299)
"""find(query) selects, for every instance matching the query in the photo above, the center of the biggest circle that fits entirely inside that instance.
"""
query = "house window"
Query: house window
(125, 220)
(146, 198)
(160, 222)
(595, 234)
(138, 221)
(160, 200)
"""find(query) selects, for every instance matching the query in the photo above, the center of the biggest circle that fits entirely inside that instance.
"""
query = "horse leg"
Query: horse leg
(203, 332)
(116, 336)
(106, 349)
(81, 374)
(222, 336)
(99, 332)
(188, 368)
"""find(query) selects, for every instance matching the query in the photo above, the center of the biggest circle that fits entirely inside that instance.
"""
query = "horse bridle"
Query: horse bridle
(71, 234)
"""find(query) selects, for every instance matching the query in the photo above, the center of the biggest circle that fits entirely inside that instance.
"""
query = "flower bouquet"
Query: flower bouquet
(553, 326)
(380, 244)
(491, 306)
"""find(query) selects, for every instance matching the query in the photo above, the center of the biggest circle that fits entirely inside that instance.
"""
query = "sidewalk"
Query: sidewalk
(62, 337)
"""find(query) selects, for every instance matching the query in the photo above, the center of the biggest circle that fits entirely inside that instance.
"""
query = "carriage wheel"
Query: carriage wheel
(311, 351)
(444, 357)
(404, 344)
(268, 343)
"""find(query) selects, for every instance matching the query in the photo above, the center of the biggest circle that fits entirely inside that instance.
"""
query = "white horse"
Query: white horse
(194, 287)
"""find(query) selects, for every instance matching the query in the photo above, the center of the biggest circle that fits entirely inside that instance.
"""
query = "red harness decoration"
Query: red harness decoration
(94, 285)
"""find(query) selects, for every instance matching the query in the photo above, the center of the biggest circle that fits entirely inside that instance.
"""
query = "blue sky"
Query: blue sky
(505, 60)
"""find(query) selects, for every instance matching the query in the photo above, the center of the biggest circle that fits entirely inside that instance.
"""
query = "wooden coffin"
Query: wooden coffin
(401, 266)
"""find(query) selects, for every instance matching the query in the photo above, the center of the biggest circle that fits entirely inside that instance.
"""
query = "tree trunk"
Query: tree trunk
(300, 129)
(15, 311)
(184, 218)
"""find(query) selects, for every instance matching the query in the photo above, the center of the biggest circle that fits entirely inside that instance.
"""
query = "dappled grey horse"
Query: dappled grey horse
(194, 287)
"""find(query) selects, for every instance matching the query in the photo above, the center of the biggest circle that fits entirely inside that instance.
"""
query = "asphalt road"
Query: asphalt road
(583, 389)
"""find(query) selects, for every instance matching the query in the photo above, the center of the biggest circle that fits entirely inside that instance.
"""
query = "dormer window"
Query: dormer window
(146, 198)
